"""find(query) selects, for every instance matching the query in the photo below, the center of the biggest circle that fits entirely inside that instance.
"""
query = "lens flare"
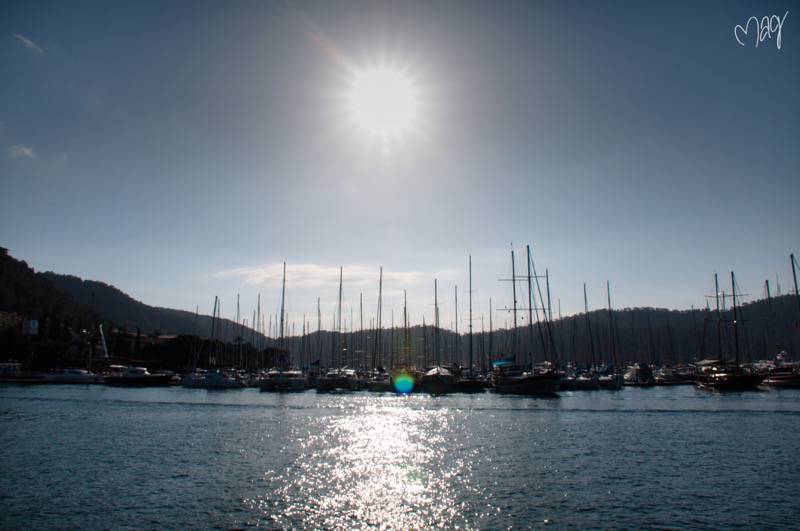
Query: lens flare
(403, 382)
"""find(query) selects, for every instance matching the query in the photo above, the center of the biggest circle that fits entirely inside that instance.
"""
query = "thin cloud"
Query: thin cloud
(315, 275)
(29, 44)
(20, 151)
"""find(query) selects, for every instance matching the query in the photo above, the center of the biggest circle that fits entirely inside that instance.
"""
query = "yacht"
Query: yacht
(136, 377)
(338, 380)
(517, 381)
(211, 380)
(283, 380)
(722, 377)
(438, 380)
(73, 376)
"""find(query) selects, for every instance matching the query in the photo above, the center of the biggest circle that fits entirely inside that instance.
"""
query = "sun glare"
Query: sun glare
(383, 102)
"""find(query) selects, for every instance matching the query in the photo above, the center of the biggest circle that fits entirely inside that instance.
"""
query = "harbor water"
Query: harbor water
(102, 457)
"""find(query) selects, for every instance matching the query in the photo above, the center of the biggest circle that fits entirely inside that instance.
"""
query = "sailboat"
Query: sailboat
(437, 379)
(719, 375)
(213, 379)
(338, 378)
(512, 378)
(379, 379)
(283, 378)
(469, 382)
(783, 373)
(612, 379)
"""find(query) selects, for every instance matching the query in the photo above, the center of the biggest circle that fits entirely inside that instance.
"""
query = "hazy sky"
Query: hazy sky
(181, 150)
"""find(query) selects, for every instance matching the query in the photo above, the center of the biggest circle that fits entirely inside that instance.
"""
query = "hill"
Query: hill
(33, 296)
(126, 312)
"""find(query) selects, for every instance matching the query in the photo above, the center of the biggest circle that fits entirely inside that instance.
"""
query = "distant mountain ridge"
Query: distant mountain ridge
(125, 311)
(33, 296)
(643, 334)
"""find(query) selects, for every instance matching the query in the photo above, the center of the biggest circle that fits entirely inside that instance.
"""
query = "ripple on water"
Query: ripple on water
(101, 457)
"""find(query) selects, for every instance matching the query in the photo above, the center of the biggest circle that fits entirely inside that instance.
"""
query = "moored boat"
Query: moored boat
(211, 380)
(470, 384)
(612, 381)
(380, 382)
(639, 375)
(782, 373)
(788, 377)
(283, 380)
(136, 377)
(728, 378)
(438, 380)
(338, 380)
(718, 374)
(72, 376)
(519, 382)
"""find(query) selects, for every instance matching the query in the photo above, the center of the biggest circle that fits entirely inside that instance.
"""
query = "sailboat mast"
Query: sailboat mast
(352, 345)
(588, 324)
(719, 319)
(424, 343)
(405, 350)
(768, 331)
(363, 361)
(260, 328)
(339, 318)
(470, 315)
(456, 350)
(530, 306)
(214, 326)
(303, 344)
(547, 313)
(240, 331)
(735, 320)
(283, 297)
(376, 344)
(391, 343)
(612, 348)
(794, 276)
(491, 335)
(514, 287)
(435, 321)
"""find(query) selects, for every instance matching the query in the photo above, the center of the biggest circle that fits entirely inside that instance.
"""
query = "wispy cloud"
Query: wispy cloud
(20, 151)
(29, 44)
(315, 275)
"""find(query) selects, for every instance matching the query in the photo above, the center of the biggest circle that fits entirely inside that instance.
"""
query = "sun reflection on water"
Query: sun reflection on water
(387, 466)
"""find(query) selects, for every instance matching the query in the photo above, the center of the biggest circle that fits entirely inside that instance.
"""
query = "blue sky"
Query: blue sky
(183, 150)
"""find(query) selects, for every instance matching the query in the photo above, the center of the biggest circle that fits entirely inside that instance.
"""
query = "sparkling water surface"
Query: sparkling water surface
(104, 457)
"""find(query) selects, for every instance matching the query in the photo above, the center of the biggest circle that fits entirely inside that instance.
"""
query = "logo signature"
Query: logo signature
(763, 29)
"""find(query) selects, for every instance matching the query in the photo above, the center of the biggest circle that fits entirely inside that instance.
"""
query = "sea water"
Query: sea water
(679, 457)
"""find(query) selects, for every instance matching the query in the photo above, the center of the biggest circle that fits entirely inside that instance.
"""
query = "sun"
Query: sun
(383, 102)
